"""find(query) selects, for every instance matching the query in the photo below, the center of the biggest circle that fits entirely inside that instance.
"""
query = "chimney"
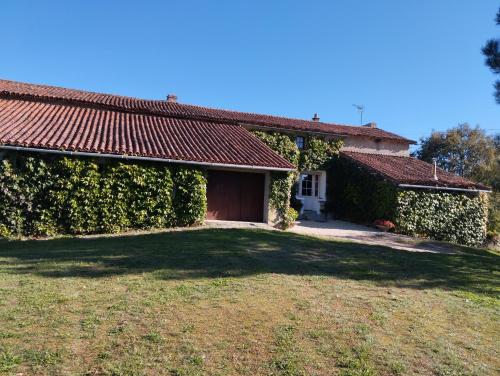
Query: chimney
(172, 98)
(315, 117)
(371, 125)
(434, 168)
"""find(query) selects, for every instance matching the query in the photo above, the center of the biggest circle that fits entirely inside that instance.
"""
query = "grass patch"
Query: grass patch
(244, 302)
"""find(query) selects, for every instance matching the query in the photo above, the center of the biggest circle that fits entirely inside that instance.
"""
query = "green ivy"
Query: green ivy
(358, 195)
(318, 153)
(281, 143)
(190, 196)
(279, 198)
(362, 196)
(46, 196)
(12, 201)
(73, 195)
(315, 156)
(453, 217)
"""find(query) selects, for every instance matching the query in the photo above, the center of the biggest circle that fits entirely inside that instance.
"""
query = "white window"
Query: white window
(307, 185)
(299, 141)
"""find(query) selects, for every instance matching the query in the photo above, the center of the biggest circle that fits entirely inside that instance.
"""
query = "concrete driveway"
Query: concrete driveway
(369, 235)
(348, 231)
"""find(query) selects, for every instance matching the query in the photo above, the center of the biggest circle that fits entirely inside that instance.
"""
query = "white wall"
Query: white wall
(368, 145)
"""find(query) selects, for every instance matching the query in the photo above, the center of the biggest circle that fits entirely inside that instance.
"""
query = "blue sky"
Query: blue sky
(415, 65)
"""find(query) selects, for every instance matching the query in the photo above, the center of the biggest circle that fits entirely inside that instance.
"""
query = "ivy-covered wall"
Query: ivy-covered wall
(455, 217)
(316, 155)
(358, 195)
(42, 196)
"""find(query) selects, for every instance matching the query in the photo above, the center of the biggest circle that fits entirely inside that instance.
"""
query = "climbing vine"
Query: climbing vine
(42, 196)
(316, 155)
(454, 217)
(364, 197)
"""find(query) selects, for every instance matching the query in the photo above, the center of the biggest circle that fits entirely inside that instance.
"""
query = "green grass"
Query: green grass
(249, 302)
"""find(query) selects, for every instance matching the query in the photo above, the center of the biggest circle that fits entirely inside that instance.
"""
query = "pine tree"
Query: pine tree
(492, 52)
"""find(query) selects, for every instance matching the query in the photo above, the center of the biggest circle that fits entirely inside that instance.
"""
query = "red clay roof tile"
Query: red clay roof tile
(61, 126)
(408, 170)
(162, 107)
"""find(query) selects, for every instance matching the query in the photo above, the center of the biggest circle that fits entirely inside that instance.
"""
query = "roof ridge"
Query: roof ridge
(386, 165)
(182, 110)
(273, 116)
(44, 125)
(109, 107)
(71, 89)
(163, 101)
(379, 154)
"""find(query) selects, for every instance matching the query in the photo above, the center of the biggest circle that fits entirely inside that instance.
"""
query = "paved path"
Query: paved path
(369, 235)
(348, 231)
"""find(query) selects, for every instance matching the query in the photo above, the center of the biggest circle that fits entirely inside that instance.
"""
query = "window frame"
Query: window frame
(307, 185)
(300, 142)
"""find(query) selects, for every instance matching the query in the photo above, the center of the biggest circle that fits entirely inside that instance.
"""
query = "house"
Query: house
(53, 120)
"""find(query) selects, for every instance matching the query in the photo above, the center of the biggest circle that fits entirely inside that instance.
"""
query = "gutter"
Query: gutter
(445, 188)
(128, 157)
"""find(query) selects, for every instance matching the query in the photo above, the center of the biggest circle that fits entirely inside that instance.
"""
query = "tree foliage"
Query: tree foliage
(470, 153)
(463, 150)
(492, 53)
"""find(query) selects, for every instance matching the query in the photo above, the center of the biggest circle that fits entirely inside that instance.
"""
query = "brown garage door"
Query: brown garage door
(235, 196)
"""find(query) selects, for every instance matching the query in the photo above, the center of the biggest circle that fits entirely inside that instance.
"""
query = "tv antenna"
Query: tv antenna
(360, 109)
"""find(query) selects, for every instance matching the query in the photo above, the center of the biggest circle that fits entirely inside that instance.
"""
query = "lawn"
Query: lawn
(244, 302)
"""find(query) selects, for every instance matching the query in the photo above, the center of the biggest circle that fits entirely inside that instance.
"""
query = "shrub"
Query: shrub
(290, 217)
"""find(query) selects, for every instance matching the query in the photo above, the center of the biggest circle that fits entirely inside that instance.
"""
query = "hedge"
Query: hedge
(42, 196)
(359, 195)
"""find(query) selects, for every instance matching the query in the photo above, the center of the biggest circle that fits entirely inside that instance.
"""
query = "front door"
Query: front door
(309, 191)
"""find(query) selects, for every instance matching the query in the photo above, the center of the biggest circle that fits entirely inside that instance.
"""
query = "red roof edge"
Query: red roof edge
(408, 171)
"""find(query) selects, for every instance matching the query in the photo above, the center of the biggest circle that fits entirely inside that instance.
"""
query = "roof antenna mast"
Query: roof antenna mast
(360, 109)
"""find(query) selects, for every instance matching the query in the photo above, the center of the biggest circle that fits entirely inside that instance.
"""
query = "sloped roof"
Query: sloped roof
(409, 170)
(70, 127)
(162, 107)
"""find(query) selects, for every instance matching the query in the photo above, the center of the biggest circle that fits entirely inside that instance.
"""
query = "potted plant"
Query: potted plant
(384, 225)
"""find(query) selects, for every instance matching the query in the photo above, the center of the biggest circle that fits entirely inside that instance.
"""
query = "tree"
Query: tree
(492, 52)
(463, 150)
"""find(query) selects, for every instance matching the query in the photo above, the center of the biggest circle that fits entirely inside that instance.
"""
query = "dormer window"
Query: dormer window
(299, 141)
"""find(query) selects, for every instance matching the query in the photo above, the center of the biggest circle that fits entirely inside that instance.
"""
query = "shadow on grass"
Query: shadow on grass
(238, 252)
